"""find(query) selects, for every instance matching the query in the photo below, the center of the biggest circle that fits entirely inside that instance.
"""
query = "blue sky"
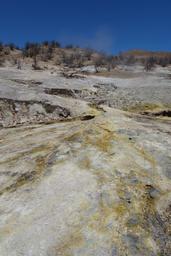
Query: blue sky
(107, 25)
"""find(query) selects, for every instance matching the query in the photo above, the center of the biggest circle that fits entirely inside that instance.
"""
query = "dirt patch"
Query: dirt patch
(142, 108)
(26, 178)
(117, 73)
(87, 117)
(96, 106)
(161, 113)
(151, 110)
(62, 92)
(26, 82)
(70, 74)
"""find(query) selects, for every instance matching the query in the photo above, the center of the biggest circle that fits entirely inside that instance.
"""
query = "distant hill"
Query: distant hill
(138, 53)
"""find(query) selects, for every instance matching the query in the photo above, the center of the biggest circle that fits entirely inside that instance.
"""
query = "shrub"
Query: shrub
(88, 53)
(110, 62)
(35, 65)
(164, 62)
(2, 60)
(1, 47)
(45, 43)
(149, 63)
(55, 44)
(6, 50)
(98, 61)
(12, 46)
(31, 49)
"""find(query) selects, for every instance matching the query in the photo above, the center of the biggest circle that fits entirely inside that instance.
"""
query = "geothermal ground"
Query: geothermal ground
(85, 163)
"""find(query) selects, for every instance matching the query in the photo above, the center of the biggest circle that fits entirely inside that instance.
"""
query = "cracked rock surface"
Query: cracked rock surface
(94, 181)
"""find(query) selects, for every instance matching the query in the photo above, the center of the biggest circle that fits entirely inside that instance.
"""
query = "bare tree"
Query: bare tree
(98, 62)
(2, 60)
(1, 47)
(149, 63)
(18, 64)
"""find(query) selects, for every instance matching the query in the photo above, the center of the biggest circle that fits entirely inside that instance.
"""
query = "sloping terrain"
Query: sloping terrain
(78, 175)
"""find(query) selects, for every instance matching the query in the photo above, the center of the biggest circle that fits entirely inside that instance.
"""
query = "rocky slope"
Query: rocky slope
(78, 176)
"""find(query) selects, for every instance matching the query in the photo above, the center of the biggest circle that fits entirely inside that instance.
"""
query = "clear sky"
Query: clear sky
(109, 25)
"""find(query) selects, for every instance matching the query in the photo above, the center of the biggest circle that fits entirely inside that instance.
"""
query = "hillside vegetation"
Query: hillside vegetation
(39, 54)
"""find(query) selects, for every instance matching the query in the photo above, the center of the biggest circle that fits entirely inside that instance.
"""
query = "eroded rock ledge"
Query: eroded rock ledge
(18, 112)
